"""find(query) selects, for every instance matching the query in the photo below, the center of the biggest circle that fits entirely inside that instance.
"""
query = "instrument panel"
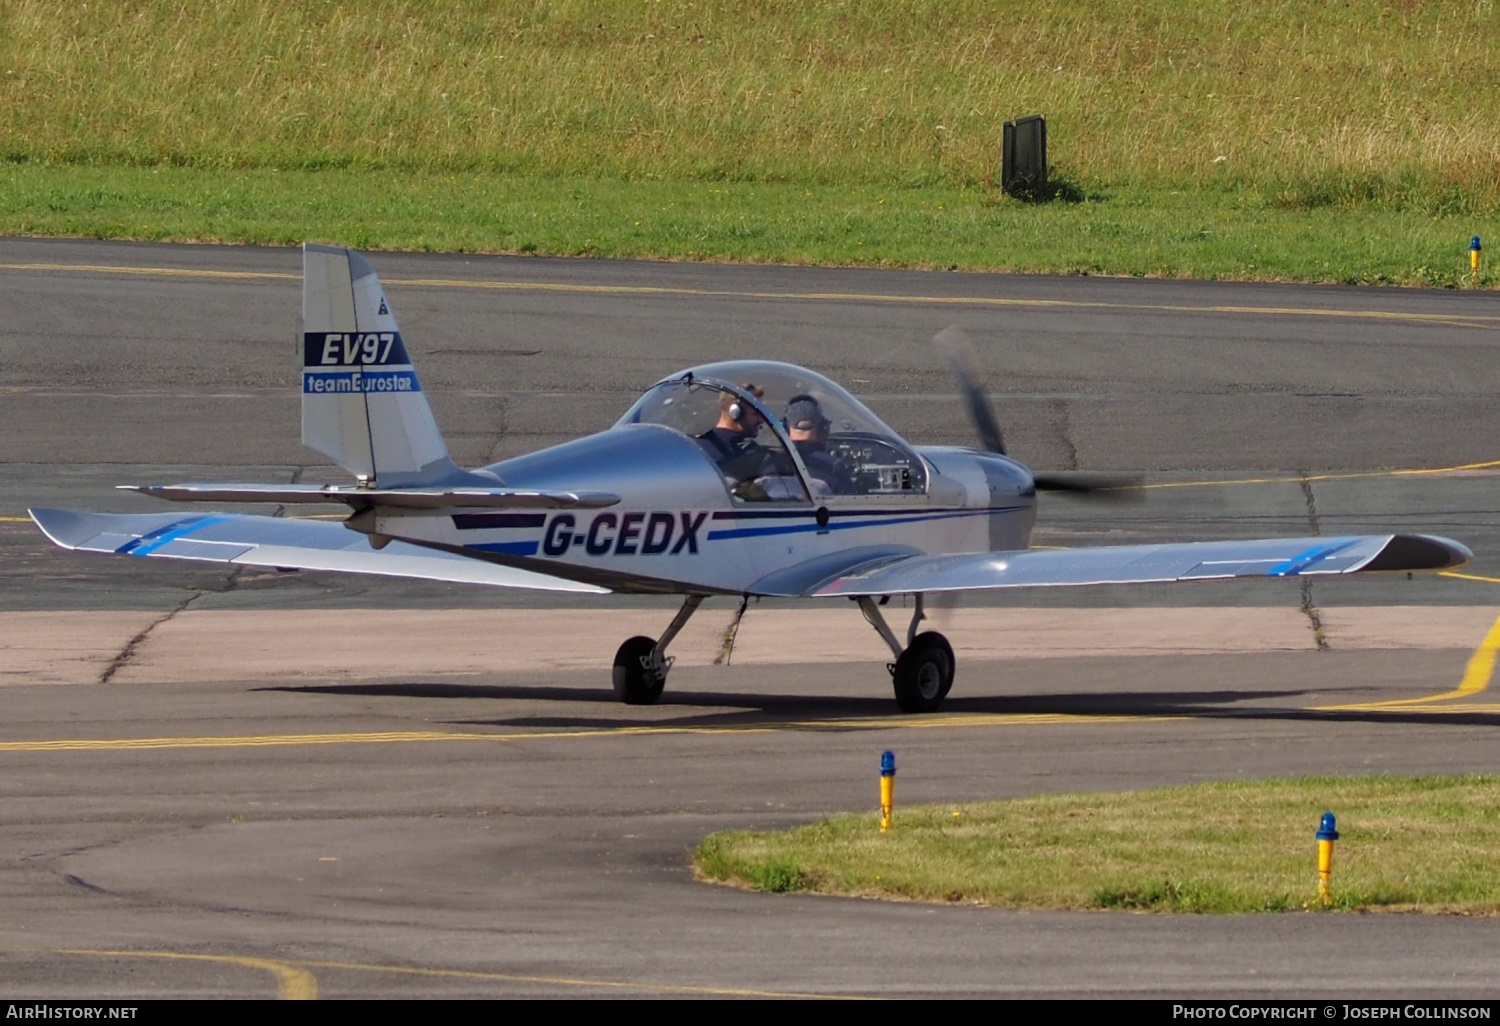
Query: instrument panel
(877, 466)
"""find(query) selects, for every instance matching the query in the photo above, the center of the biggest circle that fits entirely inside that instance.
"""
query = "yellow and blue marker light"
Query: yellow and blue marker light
(887, 788)
(1327, 834)
(1474, 249)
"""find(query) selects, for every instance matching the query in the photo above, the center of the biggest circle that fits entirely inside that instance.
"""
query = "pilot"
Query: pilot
(731, 442)
(808, 429)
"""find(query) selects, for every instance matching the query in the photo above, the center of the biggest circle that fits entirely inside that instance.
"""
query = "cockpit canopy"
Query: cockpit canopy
(842, 448)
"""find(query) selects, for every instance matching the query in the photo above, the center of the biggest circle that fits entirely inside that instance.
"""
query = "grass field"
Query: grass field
(1293, 139)
(1186, 234)
(1407, 843)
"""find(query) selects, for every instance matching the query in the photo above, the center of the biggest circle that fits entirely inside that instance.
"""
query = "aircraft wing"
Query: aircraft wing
(868, 574)
(278, 542)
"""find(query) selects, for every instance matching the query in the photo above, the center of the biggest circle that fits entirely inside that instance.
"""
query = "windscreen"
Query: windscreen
(845, 449)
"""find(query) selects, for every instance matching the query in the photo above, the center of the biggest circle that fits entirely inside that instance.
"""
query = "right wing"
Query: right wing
(278, 542)
(869, 572)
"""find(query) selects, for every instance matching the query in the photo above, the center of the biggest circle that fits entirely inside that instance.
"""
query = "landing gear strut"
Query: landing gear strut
(922, 674)
(641, 664)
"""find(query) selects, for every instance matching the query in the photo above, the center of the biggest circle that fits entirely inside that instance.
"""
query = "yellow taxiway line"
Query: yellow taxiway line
(1461, 468)
(1469, 577)
(415, 736)
(244, 741)
(1463, 320)
(292, 983)
(1476, 679)
(569, 981)
(295, 983)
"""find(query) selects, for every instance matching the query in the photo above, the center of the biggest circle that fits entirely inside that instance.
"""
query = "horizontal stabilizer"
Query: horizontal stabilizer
(281, 543)
(1138, 564)
(364, 498)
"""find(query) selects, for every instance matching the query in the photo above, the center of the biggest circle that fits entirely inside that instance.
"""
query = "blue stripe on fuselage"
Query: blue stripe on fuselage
(834, 525)
(481, 521)
(521, 548)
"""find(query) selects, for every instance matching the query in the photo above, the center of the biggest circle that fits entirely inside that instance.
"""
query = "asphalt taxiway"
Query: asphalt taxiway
(255, 784)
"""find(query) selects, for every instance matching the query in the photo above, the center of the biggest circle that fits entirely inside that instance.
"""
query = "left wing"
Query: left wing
(897, 573)
(278, 542)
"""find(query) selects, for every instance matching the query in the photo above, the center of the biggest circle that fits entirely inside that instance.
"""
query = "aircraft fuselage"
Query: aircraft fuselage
(708, 540)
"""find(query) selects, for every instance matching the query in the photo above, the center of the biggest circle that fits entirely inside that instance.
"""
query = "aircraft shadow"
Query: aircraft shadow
(733, 709)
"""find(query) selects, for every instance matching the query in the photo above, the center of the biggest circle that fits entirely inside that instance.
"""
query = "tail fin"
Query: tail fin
(362, 405)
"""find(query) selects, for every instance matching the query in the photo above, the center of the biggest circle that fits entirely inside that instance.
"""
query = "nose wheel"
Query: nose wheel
(922, 674)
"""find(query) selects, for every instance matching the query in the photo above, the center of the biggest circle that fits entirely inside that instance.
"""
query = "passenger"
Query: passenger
(731, 442)
(808, 429)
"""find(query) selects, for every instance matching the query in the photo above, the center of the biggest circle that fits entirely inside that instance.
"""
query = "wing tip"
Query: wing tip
(1413, 552)
(61, 526)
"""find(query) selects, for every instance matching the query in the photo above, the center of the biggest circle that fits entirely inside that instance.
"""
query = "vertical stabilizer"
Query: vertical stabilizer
(362, 405)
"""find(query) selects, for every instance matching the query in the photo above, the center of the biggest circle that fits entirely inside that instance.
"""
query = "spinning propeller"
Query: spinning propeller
(959, 352)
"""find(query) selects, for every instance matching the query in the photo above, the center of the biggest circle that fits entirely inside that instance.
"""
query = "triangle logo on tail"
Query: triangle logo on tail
(383, 308)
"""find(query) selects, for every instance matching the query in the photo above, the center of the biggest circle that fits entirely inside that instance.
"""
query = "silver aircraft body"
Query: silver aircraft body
(742, 478)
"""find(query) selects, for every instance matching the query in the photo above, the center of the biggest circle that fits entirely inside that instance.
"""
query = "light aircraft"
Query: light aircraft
(743, 478)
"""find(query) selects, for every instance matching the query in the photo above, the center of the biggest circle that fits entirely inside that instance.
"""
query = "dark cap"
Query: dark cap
(804, 414)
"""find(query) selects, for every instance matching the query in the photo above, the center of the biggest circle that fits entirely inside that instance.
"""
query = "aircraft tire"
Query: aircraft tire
(924, 673)
(634, 683)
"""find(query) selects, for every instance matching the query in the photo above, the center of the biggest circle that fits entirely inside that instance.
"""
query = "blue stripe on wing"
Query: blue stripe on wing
(165, 535)
(1302, 560)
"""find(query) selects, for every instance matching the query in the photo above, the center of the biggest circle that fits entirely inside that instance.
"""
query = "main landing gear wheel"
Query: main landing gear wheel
(923, 674)
(637, 680)
(923, 671)
(641, 664)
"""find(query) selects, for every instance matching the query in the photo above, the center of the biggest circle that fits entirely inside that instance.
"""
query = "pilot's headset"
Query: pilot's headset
(802, 408)
(735, 411)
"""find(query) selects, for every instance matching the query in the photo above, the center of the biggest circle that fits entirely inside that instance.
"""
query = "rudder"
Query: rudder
(362, 404)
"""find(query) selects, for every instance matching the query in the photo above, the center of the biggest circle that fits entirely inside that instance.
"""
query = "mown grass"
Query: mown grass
(1272, 115)
(1408, 843)
(1339, 103)
(1170, 234)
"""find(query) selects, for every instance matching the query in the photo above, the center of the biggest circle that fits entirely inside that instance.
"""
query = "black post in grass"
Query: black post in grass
(1023, 158)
